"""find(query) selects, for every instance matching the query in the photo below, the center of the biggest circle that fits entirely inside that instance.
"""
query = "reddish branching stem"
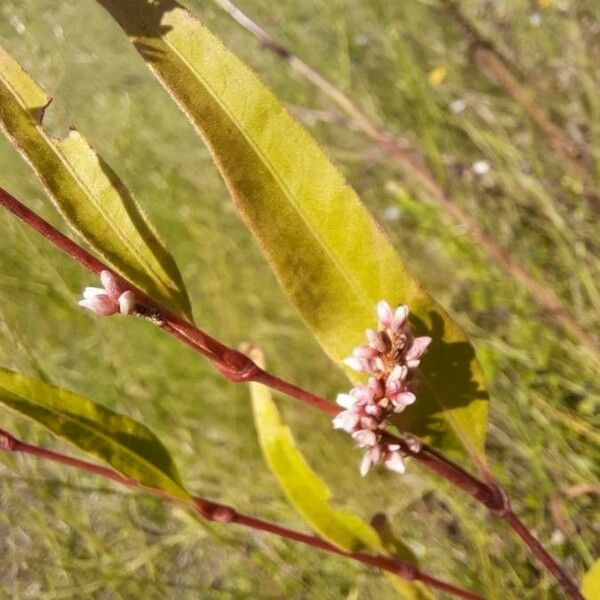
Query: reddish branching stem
(220, 513)
(238, 367)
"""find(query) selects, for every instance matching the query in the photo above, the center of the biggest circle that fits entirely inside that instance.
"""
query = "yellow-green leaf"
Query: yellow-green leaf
(590, 584)
(126, 445)
(308, 493)
(328, 253)
(88, 194)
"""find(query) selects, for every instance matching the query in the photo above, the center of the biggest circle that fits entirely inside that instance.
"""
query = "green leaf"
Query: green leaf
(309, 495)
(590, 584)
(88, 194)
(126, 445)
(328, 253)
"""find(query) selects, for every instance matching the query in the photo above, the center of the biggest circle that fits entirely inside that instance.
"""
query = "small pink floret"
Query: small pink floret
(108, 300)
(355, 363)
(395, 463)
(101, 305)
(345, 400)
(418, 348)
(385, 313)
(127, 303)
(110, 284)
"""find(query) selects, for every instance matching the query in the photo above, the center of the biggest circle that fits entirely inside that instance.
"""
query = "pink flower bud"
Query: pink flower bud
(400, 317)
(376, 340)
(110, 284)
(417, 348)
(364, 438)
(369, 423)
(101, 305)
(365, 352)
(127, 303)
(345, 400)
(365, 464)
(402, 400)
(355, 363)
(93, 292)
(346, 420)
(395, 463)
(385, 314)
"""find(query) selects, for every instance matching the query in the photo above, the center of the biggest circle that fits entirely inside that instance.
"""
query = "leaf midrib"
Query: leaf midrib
(354, 285)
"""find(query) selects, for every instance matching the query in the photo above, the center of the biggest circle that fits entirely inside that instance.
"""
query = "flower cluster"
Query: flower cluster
(108, 300)
(391, 357)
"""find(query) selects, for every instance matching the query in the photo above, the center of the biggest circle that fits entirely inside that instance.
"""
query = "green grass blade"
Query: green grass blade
(88, 194)
(126, 445)
(329, 255)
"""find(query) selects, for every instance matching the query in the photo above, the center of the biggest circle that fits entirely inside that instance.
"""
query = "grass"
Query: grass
(64, 535)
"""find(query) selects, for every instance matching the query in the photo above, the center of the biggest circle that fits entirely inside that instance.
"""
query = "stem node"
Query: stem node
(237, 367)
(8, 442)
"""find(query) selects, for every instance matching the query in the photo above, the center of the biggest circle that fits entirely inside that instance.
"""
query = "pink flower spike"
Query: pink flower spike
(101, 305)
(385, 314)
(355, 363)
(345, 400)
(110, 284)
(395, 463)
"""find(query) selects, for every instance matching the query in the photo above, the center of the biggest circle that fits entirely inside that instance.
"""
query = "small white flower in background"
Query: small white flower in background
(457, 106)
(392, 213)
(535, 19)
(481, 167)
(391, 357)
(108, 300)
(362, 39)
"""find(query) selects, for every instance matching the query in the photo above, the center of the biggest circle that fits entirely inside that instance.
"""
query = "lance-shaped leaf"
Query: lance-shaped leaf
(308, 493)
(126, 445)
(88, 194)
(329, 255)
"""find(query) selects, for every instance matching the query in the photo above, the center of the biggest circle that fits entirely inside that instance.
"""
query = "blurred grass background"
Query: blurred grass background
(411, 68)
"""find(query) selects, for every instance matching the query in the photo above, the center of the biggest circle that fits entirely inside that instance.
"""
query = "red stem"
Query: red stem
(238, 367)
(568, 585)
(221, 513)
